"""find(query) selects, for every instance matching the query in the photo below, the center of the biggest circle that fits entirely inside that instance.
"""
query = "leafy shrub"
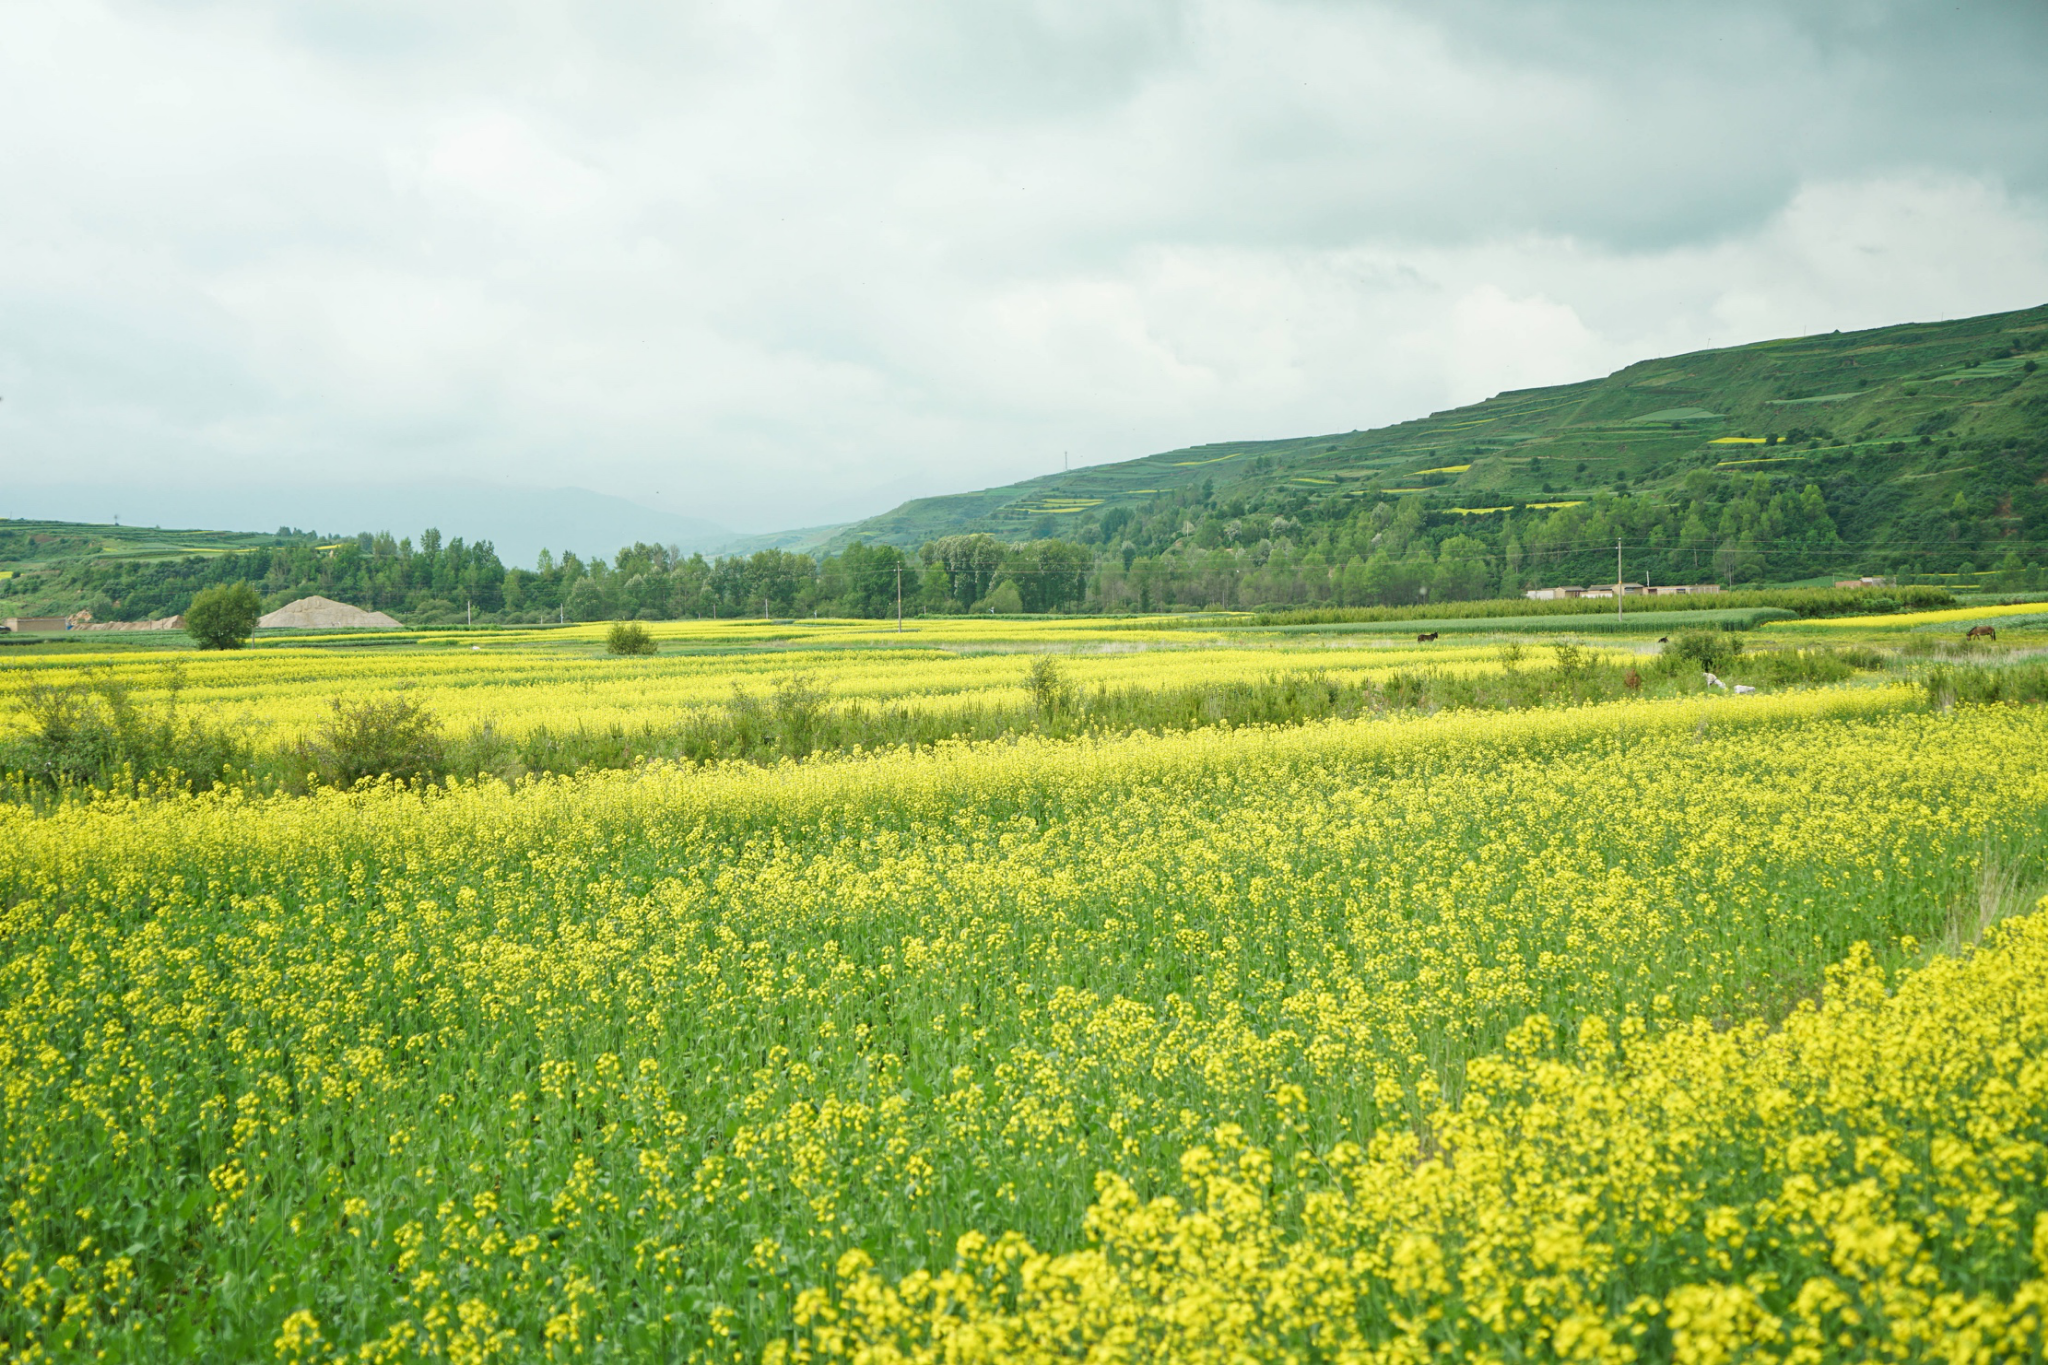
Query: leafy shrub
(1004, 600)
(1572, 661)
(1947, 684)
(1051, 693)
(393, 737)
(434, 611)
(799, 707)
(1790, 667)
(486, 751)
(628, 637)
(92, 730)
(1860, 656)
(223, 617)
(1712, 650)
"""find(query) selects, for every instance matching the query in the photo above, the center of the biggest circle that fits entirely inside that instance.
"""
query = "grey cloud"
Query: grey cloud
(756, 263)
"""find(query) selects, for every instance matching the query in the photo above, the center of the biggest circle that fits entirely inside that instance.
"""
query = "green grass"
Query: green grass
(1582, 623)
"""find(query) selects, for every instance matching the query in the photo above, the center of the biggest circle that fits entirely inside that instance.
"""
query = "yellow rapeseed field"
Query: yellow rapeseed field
(1646, 1031)
(288, 693)
(1975, 615)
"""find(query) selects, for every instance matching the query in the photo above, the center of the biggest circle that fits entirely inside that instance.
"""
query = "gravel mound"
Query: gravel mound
(324, 613)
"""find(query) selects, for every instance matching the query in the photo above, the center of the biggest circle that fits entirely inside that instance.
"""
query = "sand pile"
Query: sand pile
(166, 623)
(324, 613)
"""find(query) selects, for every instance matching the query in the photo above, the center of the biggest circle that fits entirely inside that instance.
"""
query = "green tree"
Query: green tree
(587, 601)
(223, 617)
(1461, 572)
(1049, 574)
(628, 637)
(935, 588)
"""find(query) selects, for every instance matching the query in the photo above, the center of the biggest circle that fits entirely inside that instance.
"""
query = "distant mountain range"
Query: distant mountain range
(1642, 428)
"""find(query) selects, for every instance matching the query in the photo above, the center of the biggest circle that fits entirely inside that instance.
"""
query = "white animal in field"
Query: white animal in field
(1713, 681)
(1743, 689)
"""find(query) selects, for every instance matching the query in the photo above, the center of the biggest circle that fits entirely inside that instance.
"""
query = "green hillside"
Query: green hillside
(1890, 423)
(28, 546)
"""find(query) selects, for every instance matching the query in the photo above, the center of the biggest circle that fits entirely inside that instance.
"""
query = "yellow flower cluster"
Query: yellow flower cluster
(1865, 1184)
(1430, 1033)
(1986, 615)
(520, 687)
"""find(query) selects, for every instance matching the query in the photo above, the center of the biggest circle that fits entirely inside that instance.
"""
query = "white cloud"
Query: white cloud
(755, 262)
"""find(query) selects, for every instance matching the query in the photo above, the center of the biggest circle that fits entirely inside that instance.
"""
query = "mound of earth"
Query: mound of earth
(324, 613)
(163, 623)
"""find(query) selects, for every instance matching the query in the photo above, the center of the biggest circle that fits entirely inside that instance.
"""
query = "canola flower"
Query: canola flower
(902, 1055)
(289, 693)
(1870, 1183)
(1989, 615)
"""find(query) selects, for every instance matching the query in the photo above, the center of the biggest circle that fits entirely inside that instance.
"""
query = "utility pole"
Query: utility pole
(899, 597)
(1617, 578)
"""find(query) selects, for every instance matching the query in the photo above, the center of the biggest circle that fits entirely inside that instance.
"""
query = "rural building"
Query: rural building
(38, 624)
(324, 613)
(1864, 582)
(1627, 590)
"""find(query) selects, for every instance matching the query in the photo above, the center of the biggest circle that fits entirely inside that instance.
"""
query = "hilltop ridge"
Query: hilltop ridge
(1811, 400)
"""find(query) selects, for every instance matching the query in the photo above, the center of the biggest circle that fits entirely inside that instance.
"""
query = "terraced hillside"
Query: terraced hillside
(28, 544)
(1890, 422)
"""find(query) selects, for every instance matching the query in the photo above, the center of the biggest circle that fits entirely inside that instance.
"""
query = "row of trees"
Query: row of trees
(440, 581)
(1193, 548)
(952, 574)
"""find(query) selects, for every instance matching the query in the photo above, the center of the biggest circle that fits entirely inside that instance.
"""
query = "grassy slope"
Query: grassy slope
(1648, 423)
(49, 544)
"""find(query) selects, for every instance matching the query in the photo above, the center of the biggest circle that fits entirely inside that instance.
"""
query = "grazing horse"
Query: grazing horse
(1425, 639)
(1982, 633)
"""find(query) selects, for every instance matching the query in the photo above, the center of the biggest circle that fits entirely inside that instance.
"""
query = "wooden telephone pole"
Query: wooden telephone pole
(1617, 578)
(899, 597)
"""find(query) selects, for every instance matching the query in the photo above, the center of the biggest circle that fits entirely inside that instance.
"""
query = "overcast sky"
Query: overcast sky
(774, 264)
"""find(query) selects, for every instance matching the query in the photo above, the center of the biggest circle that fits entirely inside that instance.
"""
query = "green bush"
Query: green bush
(799, 706)
(1799, 667)
(223, 617)
(1948, 684)
(393, 737)
(1005, 599)
(91, 731)
(1050, 691)
(628, 637)
(1712, 650)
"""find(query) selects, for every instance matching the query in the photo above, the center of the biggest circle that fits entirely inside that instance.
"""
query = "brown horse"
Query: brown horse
(1425, 639)
(1981, 633)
